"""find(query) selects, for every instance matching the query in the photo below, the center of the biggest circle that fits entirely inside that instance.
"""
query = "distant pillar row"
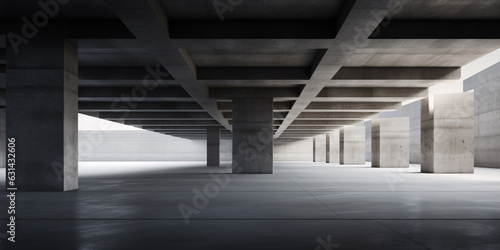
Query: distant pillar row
(42, 113)
(253, 136)
(213, 147)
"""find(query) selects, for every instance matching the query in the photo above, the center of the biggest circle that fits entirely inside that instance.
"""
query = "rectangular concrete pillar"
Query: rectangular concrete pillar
(320, 148)
(391, 142)
(448, 133)
(352, 145)
(333, 147)
(213, 147)
(253, 136)
(42, 113)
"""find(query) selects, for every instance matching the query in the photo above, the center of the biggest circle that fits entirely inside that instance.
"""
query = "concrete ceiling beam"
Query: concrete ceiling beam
(373, 92)
(116, 73)
(355, 14)
(227, 107)
(322, 128)
(149, 127)
(439, 29)
(398, 73)
(253, 92)
(207, 123)
(254, 29)
(132, 94)
(323, 123)
(336, 116)
(363, 107)
(156, 116)
(139, 107)
(149, 23)
(80, 29)
(253, 73)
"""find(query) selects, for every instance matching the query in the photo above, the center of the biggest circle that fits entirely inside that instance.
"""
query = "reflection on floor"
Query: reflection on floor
(137, 205)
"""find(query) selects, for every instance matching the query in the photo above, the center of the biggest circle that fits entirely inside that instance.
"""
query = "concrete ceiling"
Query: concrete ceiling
(327, 63)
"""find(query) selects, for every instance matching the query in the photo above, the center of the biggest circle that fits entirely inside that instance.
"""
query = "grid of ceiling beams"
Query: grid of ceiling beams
(173, 67)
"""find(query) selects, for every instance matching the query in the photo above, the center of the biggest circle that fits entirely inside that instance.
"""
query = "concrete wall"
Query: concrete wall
(390, 142)
(96, 145)
(352, 145)
(486, 86)
(413, 111)
(293, 149)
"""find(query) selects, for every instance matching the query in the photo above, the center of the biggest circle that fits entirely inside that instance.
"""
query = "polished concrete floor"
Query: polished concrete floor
(135, 205)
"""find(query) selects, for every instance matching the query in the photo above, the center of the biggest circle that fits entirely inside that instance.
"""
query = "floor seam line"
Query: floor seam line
(399, 233)
(318, 200)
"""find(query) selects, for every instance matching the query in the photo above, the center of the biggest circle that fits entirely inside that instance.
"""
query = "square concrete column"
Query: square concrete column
(352, 145)
(320, 148)
(448, 133)
(333, 147)
(391, 142)
(213, 147)
(42, 113)
(253, 136)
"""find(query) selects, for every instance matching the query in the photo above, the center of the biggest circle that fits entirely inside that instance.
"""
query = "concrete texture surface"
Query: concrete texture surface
(412, 111)
(320, 148)
(448, 133)
(368, 141)
(352, 145)
(486, 116)
(333, 147)
(42, 95)
(391, 142)
(293, 149)
(252, 136)
(213, 147)
(148, 146)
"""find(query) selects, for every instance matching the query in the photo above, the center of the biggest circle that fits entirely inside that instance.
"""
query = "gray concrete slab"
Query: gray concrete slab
(302, 205)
